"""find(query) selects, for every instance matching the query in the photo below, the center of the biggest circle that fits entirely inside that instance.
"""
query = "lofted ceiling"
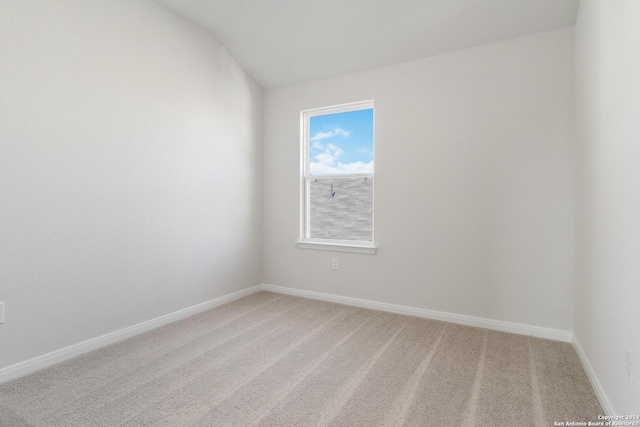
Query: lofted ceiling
(284, 42)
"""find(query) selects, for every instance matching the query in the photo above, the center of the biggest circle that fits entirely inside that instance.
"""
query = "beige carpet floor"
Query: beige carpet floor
(276, 360)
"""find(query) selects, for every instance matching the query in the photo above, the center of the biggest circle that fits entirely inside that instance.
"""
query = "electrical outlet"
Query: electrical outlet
(1, 312)
(629, 360)
(335, 264)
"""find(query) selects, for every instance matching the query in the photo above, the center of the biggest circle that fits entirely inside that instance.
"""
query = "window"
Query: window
(337, 178)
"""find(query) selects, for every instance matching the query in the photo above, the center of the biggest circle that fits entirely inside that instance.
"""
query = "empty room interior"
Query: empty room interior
(341, 212)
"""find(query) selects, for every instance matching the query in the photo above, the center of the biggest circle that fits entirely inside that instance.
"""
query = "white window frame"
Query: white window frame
(306, 241)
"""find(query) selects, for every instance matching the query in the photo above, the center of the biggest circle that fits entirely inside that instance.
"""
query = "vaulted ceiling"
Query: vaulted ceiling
(284, 42)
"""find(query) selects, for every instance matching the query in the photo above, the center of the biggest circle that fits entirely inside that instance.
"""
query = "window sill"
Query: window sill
(340, 247)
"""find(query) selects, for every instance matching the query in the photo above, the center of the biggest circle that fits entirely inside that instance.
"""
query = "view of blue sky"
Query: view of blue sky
(341, 143)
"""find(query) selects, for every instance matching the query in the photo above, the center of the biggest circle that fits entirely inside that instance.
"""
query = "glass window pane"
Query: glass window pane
(341, 143)
(341, 208)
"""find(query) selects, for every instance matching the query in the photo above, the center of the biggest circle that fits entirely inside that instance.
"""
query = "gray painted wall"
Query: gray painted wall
(607, 322)
(130, 170)
(474, 185)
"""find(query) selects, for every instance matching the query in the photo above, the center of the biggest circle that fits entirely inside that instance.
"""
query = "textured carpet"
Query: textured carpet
(275, 360)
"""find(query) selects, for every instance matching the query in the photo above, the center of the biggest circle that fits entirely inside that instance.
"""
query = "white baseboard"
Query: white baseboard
(37, 363)
(607, 407)
(497, 325)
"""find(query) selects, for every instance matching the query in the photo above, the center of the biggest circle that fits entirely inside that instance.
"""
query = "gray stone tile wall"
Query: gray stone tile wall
(348, 216)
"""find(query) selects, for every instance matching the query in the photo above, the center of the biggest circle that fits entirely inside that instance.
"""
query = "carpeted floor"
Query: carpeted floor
(275, 360)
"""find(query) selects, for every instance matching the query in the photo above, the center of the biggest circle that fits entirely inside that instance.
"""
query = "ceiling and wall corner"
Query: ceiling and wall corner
(283, 42)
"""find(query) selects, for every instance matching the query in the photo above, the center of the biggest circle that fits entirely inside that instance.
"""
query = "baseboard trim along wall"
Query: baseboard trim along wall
(607, 407)
(57, 356)
(461, 319)
(497, 325)
(40, 362)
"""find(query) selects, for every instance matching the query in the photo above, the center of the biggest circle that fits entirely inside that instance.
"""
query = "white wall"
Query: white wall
(607, 316)
(130, 170)
(474, 186)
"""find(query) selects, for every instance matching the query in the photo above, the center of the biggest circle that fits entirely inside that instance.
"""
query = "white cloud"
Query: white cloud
(327, 161)
(329, 156)
(319, 168)
(324, 135)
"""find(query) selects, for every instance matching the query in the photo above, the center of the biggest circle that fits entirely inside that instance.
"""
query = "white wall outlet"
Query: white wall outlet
(629, 360)
(335, 264)
(1, 312)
